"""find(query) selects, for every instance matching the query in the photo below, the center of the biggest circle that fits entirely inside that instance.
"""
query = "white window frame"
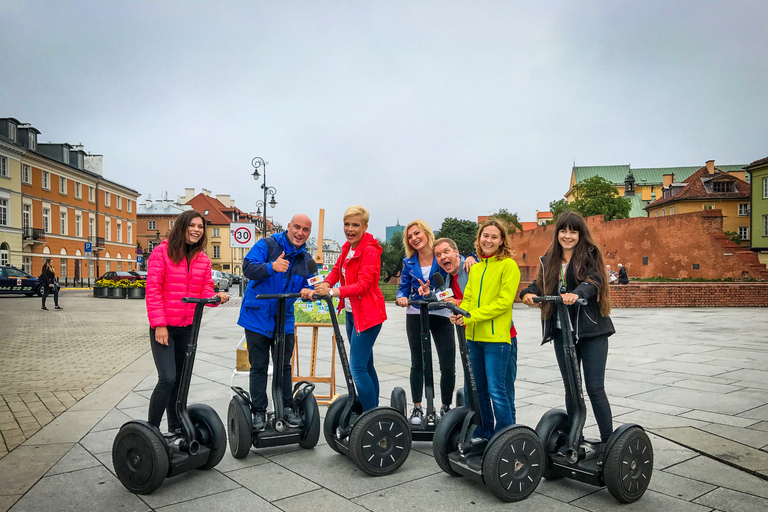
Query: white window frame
(765, 188)
(118, 202)
(151, 224)
(91, 195)
(63, 221)
(129, 231)
(3, 211)
(744, 229)
(107, 229)
(708, 206)
(12, 133)
(171, 223)
(215, 232)
(216, 252)
(671, 210)
(26, 264)
(91, 226)
(765, 225)
(46, 180)
(119, 232)
(78, 190)
(129, 205)
(63, 268)
(107, 199)
(26, 215)
(62, 185)
(4, 166)
(32, 139)
(78, 225)
(26, 174)
(47, 220)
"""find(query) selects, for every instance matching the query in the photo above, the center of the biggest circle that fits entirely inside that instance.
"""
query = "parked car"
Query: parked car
(236, 278)
(118, 276)
(13, 280)
(220, 280)
(230, 278)
(140, 274)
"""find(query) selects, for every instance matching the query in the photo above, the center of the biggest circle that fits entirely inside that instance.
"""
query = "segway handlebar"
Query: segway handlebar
(278, 296)
(205, 300)
(557, 299)
(450, 306)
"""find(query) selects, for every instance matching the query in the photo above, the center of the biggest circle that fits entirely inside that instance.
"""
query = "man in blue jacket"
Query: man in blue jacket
(277, 264)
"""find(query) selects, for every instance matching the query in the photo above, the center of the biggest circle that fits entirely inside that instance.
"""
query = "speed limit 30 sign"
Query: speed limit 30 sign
(242, 234)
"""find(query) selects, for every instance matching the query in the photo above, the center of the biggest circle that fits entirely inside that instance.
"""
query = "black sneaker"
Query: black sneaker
(291, 418)
(417, 416)
(444, 410)
(259, 421)
(58, 307)
(44, 308)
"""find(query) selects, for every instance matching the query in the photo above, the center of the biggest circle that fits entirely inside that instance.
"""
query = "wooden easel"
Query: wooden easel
(321, 399)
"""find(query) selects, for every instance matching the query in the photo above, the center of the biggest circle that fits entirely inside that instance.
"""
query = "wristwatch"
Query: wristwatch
(330, 292)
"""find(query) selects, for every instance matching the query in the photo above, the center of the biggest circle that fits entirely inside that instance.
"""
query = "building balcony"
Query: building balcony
(97, 243)
(33, 235)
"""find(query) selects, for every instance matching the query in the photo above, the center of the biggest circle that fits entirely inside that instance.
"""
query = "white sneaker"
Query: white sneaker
(417, 416)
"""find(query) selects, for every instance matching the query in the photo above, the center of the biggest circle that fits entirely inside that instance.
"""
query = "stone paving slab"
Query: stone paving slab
(720, 448)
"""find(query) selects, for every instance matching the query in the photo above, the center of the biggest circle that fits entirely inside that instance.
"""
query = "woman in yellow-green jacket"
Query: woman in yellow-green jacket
(488, 297)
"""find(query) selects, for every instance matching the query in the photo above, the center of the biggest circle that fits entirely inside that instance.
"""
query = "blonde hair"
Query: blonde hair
(356, 209)
(505, 250)
(424, 227)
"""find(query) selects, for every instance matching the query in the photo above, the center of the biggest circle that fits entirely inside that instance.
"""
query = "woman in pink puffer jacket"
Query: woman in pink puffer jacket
(177, 268)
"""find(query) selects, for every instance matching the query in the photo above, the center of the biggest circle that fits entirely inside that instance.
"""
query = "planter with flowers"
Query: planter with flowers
(118, 289)
(137, 290)
(100, 289)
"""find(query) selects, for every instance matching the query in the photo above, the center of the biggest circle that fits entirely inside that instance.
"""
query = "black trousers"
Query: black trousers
(258, 355)
(47, 290)
(592, 353)
(169, 361)
(445, 343)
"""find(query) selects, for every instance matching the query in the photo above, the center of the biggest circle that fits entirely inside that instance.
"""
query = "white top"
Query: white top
(413, 310)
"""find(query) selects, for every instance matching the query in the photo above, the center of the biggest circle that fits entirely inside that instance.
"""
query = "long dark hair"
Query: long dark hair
(178, 248)
(586, 255)
(504, 250)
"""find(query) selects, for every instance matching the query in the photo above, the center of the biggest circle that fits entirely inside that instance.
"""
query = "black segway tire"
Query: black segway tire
(446, 438)
(332, 418)
(240, 423)
(513, 464)
(398, 400)
(140, 458)
(552, 431)
(311, 416)
(380, 441)
(629, 465)
(209, 432)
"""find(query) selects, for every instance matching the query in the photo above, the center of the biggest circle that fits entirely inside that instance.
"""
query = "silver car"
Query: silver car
(221, 280)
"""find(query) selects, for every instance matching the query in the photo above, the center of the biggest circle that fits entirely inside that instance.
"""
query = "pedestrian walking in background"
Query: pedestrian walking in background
(50, 284)
(623, 277)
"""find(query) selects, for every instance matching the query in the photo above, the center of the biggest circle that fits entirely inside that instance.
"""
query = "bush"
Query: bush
(389, 291)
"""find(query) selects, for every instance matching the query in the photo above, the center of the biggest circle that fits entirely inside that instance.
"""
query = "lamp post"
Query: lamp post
(257, 163)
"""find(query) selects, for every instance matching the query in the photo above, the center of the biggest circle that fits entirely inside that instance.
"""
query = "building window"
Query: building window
(663, 211)
(12, 131)
(119, 266)
(46, 180)
(671, 210)
(107, 199)
(78, 191)
(744, 232)
(26, 264)
(216, 232)
(91, 226)
(47, 220)
(90, 194)
(107, 229)
(151, 224)
(708, 206)
(170, 224)
(78, 225)
(62, 185)
(722, 186)
(32, 139)
(765, 188)
(657, 213)
(26, 216)
(63, 223)
(130, 233)
(3, 212)
(3, 166)
(119, 232)
(129, 205)
(4, 258)
(91, 270)
(63, 274)
(216, 251)
(119, 202)
(26, 174)
(107, 266)
(150, 245)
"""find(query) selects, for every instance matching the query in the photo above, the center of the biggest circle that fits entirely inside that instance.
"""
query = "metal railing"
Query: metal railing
(97, 242)
(33, 234)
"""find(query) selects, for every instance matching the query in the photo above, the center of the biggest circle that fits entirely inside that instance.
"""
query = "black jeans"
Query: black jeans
(592, 353)
(47, 290)
(169, 361)
(258, 356)
(442, 334)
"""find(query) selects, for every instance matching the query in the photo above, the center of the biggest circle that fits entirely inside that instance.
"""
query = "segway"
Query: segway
(626, 464)
(277, 432)
(425, 431)
(510, 464)
(143, 457)
(378, 440)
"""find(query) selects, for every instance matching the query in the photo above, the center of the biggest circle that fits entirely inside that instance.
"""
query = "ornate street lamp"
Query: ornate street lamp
(260, 163)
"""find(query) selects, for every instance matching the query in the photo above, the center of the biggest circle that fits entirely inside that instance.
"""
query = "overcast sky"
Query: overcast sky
(413, 109)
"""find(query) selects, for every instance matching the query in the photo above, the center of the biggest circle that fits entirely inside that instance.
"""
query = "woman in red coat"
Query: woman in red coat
(358, 269)
(177, 268)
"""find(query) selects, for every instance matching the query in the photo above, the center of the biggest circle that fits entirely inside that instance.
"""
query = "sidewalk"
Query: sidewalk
(696, 386)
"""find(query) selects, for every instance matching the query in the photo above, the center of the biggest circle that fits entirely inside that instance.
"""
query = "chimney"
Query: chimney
(94, 163)
(711, 167)
(223, 199)
(668, 180)
(189, 193)
(206, 192)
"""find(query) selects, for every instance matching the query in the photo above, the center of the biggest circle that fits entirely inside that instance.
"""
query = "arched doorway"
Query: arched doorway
(5, 249)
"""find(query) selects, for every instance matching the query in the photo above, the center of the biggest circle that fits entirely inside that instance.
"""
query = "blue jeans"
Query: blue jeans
(361, 363)
(509, 380)
(489, 364)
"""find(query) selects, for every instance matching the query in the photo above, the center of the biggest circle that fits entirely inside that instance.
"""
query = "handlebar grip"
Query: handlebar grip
(450, 306)
(206, 300)
(265, 296)
(557, 299)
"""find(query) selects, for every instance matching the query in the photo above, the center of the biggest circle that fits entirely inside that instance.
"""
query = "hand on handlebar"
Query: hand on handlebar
(308, 293)
(457, 319)
(528, 300)
(402, 302)
(223, 296)
(569, 298)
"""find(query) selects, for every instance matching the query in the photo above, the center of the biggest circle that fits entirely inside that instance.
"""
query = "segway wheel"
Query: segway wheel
(398, 400)
(629, 465)
(240, 423)
(140, 458)
(552, 431)
(209, 432)
(446, 438)
(380, 441)
(513, 464)
(333, 418)
(311, 416)
(460, 397)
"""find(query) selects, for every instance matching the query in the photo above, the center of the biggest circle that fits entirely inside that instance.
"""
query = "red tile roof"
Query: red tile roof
(218, 213)
(696, 190)
(544, 215)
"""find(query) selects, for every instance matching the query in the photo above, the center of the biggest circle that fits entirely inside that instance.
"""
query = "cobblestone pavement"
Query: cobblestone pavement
(51, 359)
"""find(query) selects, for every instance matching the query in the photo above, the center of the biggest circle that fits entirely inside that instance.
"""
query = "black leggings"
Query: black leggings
(51, 289)
(169, 361)
(592, 353)
(442, 334)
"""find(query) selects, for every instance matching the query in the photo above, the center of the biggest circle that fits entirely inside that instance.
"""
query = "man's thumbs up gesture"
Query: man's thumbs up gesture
(280, 264)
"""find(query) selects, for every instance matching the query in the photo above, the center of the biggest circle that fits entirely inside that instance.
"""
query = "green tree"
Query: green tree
(594, 196)
(463, 232)
(510, 219)
(734, 236)
(392, 257)
(558, 207)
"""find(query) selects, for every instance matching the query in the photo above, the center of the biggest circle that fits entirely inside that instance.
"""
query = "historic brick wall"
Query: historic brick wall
(654, 246)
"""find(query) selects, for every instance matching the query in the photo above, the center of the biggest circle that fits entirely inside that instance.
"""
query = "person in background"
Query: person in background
(277, 264)
(623, 277)
(50, 284)
(357, 271)
(574, 268)
(177, 268)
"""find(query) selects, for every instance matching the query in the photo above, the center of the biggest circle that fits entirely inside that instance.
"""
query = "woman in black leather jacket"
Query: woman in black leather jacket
(573, 267)
(50, 284)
